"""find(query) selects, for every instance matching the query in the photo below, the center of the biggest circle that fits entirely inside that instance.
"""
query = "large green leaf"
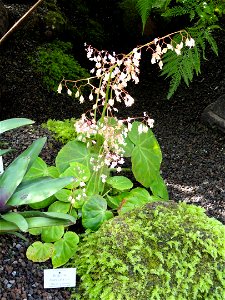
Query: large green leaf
(59, 206)
(63, 195)
(44, 203)
(64, 249)
(37, 219)
(38, 191)
(114, 202)
(16, 219)
(13, 123)
(94, 212)
(137, 197)
(73, 151)
(40, 252)
(120, 183)
(146, 156)
(11, 178)
(52, 234)
(2, 152)
(38, 169)
(80, 172)
(159, 188)
(33, 151)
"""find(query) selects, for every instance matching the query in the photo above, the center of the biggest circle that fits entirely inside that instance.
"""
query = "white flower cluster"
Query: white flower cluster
(115, 71)
(161, 47)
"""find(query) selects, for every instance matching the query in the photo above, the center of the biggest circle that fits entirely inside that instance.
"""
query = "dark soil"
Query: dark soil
(193, 155)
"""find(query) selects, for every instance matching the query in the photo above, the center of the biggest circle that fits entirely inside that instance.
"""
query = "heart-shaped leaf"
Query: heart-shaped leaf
(146, 156)
(80, 172)
(40, 252)
(63, 195)
(52, 234)
(59, 206)
(120, 183)
(64, 249)
(38, 169)
(73, 151)
(94, 212)
(137, 197)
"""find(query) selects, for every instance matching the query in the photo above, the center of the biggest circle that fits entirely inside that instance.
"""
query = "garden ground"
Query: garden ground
(193, 155)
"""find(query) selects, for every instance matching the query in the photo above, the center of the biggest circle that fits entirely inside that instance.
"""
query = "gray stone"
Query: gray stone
(214, 114)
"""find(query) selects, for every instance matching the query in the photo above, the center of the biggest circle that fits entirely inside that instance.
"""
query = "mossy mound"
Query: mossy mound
(164, 251)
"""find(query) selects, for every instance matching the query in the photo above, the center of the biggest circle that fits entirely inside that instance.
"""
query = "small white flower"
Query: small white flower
(69, 92)
(103, 177)
(119, 169)
(170, 47)
(77, 94)
(81, 99)
(160, 64)
(59, 90)
(150, 122)
(82, 184)
(111, 102)
(190, 42)
(91, 97)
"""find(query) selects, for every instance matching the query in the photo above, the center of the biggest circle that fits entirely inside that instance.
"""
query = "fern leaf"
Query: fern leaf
(211, 41)
(144, 8)
(174, 83)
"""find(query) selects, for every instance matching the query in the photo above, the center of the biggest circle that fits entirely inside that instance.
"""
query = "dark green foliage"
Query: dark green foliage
(53, 62)
(160, 251)
(184, 66)
(200, 18)
(64, 131)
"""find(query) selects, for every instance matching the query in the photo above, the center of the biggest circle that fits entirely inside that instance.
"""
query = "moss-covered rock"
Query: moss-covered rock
(164, 251)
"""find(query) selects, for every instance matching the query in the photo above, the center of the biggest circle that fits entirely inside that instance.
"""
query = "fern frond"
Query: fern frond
(180, 67)
(144, 8)
(210, 39)
(174, 83)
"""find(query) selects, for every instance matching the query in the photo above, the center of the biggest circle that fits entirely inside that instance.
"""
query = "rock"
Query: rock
(4, 19)
(214, 114)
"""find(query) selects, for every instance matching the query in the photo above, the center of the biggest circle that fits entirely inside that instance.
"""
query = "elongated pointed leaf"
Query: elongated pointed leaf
(37, 219)
(2, 152)
(33, 151)
(51, 215)
(39, 191)
(13, 123)
(11, 178)
(16, 219)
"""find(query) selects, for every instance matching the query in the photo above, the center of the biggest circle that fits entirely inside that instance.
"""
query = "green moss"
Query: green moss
(63, 131)
(53, 62)
(160, 251)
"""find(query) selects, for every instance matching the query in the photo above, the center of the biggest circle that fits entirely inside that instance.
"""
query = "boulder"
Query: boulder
(4, 19)
(214, 114)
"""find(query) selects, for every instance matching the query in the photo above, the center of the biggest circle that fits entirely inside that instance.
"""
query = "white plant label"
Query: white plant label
(58, 278)
(1, 165)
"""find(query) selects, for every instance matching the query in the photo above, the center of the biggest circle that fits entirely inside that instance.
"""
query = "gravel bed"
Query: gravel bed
(193, 155)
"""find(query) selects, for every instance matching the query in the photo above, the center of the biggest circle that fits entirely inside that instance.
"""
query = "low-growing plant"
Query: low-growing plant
(162, 250)
(102, 145)
(54, 63)
(15, 191)
(63, 131)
